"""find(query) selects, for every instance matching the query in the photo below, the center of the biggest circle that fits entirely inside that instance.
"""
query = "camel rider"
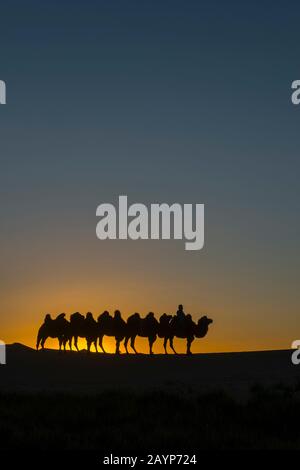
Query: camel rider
(178, 319)
(180, 313)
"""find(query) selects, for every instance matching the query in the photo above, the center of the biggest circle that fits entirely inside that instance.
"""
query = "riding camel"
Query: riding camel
(187, 329)
(168, 327)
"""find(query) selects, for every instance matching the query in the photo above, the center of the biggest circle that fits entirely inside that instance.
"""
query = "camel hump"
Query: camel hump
(61, 316)
(133, 318)
(151, 320)
(118, 320)
(89, 318)
(103, 315)
(165, 318)
(48, 318)
(75, 315)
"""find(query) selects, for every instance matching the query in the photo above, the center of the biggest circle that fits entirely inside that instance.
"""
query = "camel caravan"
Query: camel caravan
(168, 327)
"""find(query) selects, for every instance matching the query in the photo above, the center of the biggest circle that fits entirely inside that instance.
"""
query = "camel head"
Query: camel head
(205, 320)
(202, 326)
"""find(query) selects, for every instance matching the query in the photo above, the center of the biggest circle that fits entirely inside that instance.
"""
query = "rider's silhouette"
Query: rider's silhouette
(180, 313)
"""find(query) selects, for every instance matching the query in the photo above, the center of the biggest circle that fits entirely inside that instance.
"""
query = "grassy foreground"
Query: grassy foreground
(158, 421)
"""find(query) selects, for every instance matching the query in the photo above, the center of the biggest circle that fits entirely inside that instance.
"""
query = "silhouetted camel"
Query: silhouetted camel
(111, 326)
(145, 327)
(168, 327)
(164, 329)
(58, 328)
(83, 327)
(186, 328)
(91, 331)
(77, 328)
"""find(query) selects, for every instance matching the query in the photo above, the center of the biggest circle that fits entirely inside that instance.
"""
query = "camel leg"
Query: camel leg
(101, 343)
(88, 345)
(76, 342)
(64, 343)
(70, 344)
(151, 341)
(43, 341)
(117, 346)
(38, 341)
(95, 344)
(125, 344)
(165, 345)
(132, 344)
(171, 345)
(60, 342)
(188, 348)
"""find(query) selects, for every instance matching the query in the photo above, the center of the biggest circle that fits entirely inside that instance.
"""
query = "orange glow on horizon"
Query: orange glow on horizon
(233, 329)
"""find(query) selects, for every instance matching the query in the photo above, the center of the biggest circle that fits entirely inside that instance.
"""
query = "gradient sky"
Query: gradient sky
(165, 101)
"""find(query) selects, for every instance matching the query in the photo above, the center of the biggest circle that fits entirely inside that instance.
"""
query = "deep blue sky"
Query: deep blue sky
(165, 101)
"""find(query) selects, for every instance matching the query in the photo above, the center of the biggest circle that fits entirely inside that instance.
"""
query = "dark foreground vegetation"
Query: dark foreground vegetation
(146, 421)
